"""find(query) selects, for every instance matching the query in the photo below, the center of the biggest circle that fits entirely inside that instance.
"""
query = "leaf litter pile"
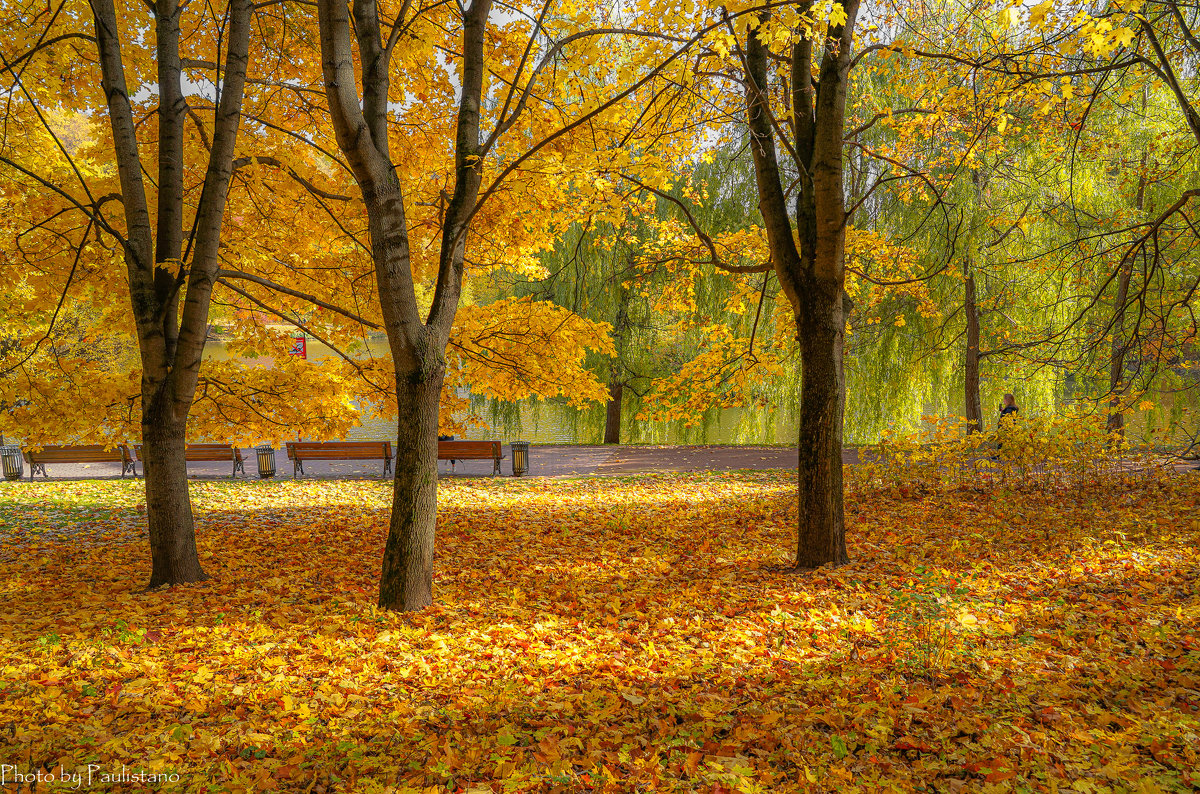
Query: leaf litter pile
(611, 634)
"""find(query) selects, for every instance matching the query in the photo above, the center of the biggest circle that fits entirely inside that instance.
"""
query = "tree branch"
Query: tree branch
(223, 275)
(242, 162)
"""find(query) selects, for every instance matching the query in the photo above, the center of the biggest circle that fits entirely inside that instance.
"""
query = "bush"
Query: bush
(1039, 450)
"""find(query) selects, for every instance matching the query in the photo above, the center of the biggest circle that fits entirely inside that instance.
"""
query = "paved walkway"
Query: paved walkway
(552, 460)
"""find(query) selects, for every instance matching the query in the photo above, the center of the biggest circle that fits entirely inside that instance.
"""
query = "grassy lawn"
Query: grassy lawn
(609, 634)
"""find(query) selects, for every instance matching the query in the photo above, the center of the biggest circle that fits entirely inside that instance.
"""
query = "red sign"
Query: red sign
(299, 347)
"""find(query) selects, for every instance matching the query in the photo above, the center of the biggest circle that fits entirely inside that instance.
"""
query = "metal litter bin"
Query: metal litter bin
(14, 464)
(520, 457)
(266, 460)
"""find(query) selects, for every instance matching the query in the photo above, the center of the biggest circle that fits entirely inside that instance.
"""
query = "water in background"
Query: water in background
(552, 422)
(869, 413)
(1172, 423)
(555, 422)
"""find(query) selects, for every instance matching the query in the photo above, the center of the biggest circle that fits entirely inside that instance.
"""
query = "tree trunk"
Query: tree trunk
(171, 342)
(173, 555)
(974, 405)
(1117, 386)
(406, 582)
(612, 413)
(1116, 363)
(360, 125)
(821, 532)
(810, 264)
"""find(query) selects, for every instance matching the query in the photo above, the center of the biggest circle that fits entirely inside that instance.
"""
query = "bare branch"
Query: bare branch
(301, 326)
(243, 162)
(223, 275)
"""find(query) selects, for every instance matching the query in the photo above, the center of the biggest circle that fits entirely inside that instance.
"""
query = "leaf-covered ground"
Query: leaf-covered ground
(602, 634)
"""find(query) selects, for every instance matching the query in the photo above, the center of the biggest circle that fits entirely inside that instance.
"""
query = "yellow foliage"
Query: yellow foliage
(518, 347)
(1038, 449)
(607, 634)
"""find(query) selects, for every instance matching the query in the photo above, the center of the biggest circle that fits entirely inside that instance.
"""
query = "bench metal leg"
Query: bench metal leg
(36, 467)
(495, 467)
(238, 466)
(297, 468)
(387, 466)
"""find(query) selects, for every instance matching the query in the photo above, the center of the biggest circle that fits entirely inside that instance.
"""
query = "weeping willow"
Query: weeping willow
(1041, 224)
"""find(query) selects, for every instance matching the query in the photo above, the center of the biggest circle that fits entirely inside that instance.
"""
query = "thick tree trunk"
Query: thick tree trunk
(812, 273)
(406, 582)
(612, 413)
(974, 405)
(174, 559)
(360, 125)
(821, 532)
(171, 343)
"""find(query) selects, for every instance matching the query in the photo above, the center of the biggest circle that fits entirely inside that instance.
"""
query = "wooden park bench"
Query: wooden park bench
(208, 452)
(300, 451)
(471, 450)
(85, 453)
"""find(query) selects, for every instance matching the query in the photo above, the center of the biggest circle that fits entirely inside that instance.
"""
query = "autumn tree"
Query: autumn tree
(1081, 78)
(805, 232)
(168, 245)
(503, 127)
(792, 66)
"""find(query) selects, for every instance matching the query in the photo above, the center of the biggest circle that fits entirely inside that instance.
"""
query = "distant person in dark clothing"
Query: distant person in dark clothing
(1009, 407)
(1009, 410)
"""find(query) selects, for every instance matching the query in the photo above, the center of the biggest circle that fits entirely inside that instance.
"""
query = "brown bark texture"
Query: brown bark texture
(1117, 385)
(160, 271)
(974, 404)
(418, 347)
(612, 413)
(174, 558)
(406, 581)
(812, 274)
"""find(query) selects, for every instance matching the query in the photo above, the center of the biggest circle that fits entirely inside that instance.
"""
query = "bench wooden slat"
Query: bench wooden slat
(92, 453)
(201, 453)
(300, 451)
(79, 453)
(471, 450)
(468, 450)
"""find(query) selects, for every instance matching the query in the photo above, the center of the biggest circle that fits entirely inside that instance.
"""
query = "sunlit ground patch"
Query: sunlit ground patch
(622, 634)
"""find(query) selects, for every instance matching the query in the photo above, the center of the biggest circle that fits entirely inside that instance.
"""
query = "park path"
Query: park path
(551, 460)
(545, 461)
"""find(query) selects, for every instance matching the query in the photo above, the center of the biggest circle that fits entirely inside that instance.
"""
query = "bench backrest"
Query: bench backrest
(469, 449)
(338, 450)
(81, 453)
(203, 452)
